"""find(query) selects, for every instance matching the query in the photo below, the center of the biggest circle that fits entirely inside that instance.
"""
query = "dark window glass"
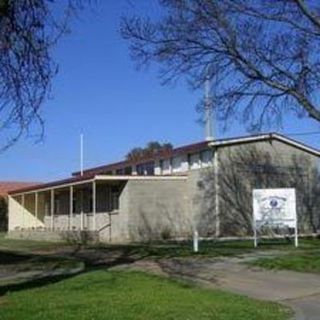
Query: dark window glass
(145, 169)
(149, 168)
(120, 172)
(128, 171)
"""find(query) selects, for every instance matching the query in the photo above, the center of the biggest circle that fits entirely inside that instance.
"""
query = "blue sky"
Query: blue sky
(99, 91)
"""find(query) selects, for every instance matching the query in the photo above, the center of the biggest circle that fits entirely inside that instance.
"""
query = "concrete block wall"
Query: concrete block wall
(157, 209)
(201, 194)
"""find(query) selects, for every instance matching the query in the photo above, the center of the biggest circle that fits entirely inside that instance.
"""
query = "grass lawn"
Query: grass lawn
(213, 248)
(166, 249)
(131, 295)
(26, 245)
(302, 261)
(21, 259)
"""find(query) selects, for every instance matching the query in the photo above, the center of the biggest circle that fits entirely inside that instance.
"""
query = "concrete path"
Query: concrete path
(300, 291)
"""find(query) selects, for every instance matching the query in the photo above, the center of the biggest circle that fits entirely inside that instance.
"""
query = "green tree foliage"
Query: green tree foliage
(152, 149)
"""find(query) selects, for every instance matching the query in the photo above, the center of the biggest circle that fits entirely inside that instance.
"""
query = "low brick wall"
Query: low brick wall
(55, 236)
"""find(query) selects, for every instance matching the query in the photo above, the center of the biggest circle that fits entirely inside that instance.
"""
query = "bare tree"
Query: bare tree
(261, 55)
(28, 30)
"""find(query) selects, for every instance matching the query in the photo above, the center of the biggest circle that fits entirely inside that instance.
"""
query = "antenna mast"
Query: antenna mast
(81, 154)
(208, 110)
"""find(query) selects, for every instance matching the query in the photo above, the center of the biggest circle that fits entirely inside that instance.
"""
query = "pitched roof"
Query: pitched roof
(90, 174)
(190, 148)
(196, 147)
(8, 186)
(266, 137)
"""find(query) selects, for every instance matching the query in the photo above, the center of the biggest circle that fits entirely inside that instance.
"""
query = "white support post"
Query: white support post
(71, 208)
(23, 210)
(52, 208)
(94, 204)
(81, 212)
(216, 186)
(36, 204)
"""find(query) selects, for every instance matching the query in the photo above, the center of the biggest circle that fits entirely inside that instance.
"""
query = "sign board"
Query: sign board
(274, 208)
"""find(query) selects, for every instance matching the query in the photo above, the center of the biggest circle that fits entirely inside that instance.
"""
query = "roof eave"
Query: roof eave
(264, 137)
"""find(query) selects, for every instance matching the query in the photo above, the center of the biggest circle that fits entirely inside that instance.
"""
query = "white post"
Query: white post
(296, 241)
(216, 187)
(52, 208)
(36, 204)
(94, 205)
(23, 210)
(70, 207)
(81, 212)
(255, 240)
(81, 154)
(255, 237)
(195, 241)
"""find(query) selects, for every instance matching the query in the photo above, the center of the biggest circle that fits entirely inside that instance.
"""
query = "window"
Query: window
(176, 164)
(206, 158)
(128, 171)
(124, 171)
(113, 196)
(149, 168)
(165, 166)
(74, 205)
(140, 169)
(57, 204)
(120, 172)
(194, 161)
(146, 168)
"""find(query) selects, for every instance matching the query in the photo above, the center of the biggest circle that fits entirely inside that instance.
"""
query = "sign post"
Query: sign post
(274, 208)
(195, 241)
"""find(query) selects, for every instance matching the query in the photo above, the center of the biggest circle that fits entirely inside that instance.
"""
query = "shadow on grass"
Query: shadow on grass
(8, 257)
(90, 263)
(103, 257)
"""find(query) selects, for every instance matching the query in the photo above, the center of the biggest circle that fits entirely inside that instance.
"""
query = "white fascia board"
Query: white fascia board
(297, 144)
(264, 137)
(101, 178)
(60, 186)
(143, 178)
(239, 140)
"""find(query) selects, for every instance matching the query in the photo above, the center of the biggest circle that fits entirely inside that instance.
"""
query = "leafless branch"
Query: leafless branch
(266, 48)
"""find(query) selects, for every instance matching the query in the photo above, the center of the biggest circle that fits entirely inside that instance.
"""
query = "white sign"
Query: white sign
(274, 208)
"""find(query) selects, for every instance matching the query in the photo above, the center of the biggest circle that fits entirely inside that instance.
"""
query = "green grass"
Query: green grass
(20, 257)
(27, 245)
(131, 295)
(300, 261)
(209, 248)
(167, 249)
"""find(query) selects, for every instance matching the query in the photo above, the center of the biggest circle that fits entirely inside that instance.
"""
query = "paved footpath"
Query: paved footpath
(300, 291)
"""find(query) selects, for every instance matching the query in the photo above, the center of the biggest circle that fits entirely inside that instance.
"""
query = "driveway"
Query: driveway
(300, 291)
